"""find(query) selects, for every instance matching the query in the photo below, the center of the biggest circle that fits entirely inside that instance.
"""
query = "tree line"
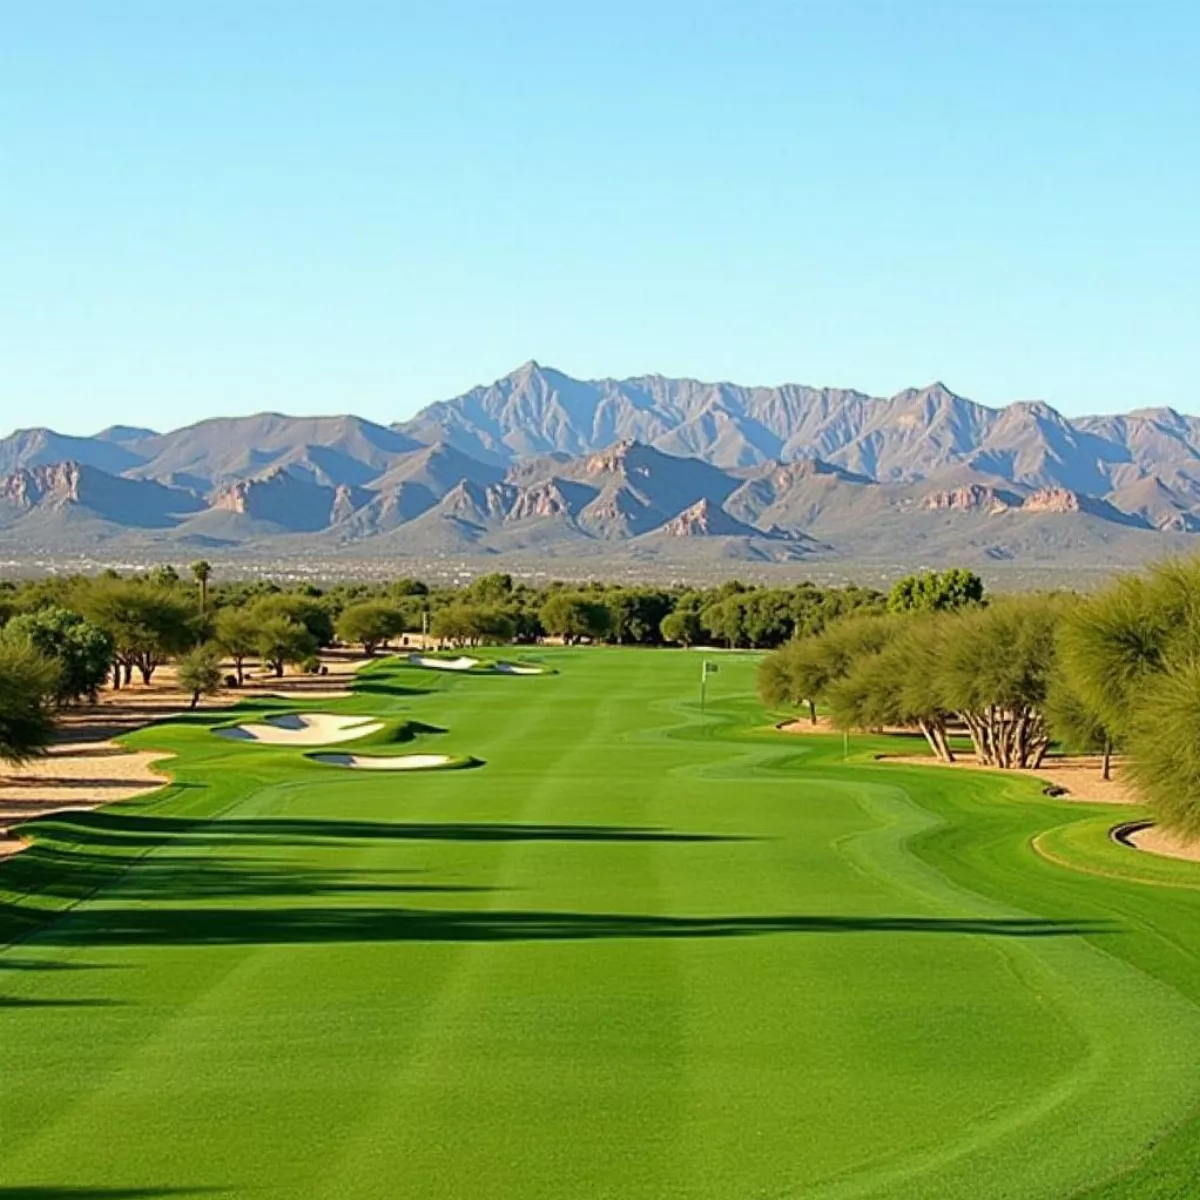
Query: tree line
(64, 638)
(1118, 670)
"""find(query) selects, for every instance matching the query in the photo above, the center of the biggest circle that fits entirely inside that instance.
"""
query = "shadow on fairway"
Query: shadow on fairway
(38, 964)
(31, 1002)
(113, 828)
(195, 877)
(139, 925)
(382, 687)
(89, 1193)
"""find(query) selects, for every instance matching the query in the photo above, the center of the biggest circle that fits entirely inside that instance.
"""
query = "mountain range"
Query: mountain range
(539, 464)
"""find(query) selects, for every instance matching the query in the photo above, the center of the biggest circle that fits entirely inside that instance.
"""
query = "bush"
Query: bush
(28, 682)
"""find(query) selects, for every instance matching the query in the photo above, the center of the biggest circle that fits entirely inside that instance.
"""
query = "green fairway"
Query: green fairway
(626, 951)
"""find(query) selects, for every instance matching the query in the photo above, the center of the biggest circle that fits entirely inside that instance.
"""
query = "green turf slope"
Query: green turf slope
(638, 953)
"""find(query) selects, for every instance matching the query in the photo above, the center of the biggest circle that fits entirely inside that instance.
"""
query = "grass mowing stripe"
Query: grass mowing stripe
(640, 953)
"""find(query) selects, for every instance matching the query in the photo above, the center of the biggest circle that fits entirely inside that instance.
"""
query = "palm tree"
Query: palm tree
(202, 571)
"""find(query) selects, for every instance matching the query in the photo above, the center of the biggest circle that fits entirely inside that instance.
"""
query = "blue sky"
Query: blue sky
(225, 207)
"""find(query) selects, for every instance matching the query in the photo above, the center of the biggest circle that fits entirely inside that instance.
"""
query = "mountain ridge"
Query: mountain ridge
(540, 462)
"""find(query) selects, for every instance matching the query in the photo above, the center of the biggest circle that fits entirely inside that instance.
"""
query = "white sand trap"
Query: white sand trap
(443, 664)
(303, 729)
(398, 762)
(516, 669)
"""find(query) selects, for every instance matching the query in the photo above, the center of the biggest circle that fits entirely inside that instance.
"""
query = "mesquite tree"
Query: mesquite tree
(148, 623)
(370, 623)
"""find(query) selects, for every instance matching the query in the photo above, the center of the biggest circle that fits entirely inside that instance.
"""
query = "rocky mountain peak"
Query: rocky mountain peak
(615, 459)
(53, 483)
(696, 521)
(971, 497)
(1053, 500)
(541, 500)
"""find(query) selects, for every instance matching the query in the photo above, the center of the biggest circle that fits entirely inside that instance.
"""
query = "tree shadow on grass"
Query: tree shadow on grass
(376, 685)
(8, 963)
(131, 829)
(200, 877)
(145, 926)
(34, 1002)
(99, 1193)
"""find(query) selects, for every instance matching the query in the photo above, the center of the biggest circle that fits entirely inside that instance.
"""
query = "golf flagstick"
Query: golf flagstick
(706, 669)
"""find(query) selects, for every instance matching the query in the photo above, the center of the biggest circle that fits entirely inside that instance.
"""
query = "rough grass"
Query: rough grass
(641, 953)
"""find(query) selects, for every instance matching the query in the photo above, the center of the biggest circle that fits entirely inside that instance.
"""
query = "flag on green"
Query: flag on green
(710, 668)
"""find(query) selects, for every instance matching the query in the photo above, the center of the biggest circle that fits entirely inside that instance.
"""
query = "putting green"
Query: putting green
(641, 953)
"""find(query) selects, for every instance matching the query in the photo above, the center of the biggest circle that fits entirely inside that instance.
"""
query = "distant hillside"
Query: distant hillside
(538, 463)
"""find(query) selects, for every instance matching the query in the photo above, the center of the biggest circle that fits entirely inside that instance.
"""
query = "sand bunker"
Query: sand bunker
(302, 729)
(443, 664)
(466, 664)
(396, 762)
(1153, 840)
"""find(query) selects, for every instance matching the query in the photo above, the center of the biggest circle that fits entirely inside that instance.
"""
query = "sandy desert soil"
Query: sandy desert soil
(1159, 841)
(73, 775)
(1079, 774)
(86, 768)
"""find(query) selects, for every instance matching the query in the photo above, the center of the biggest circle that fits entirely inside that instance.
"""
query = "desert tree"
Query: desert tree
(1112, 644)
(236, 633)
(803, 670)
(1131, 659)
(280, 640)
(493, 589)
(574, 616)
(1164, 747)
(148, 623)
(28, 682)
(682, 627)
(636, 615)
(1076, 724)
(897, 685)
(994, 670)
(369, 623)
(792, 676)
(936, 591)
(200, 672)
(82, 652)
(309, 611)
(463, 624)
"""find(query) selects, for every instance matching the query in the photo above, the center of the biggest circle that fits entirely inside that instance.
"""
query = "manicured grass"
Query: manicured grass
(638, 954)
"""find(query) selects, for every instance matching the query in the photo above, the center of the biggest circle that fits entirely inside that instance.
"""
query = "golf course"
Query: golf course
(590, 941)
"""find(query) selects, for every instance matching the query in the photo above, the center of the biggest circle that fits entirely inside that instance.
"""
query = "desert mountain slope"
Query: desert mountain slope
(539, 462)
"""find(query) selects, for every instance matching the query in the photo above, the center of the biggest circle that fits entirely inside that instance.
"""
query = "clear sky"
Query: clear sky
(227, 206)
